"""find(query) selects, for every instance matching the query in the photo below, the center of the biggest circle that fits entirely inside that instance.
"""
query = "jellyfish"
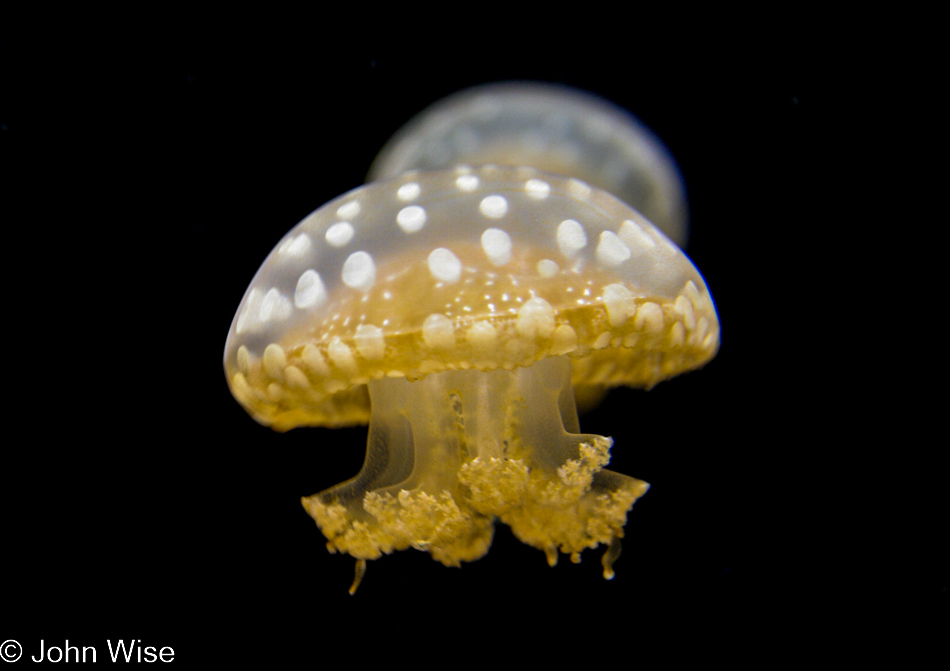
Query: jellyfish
(554, 128)
(458, 312)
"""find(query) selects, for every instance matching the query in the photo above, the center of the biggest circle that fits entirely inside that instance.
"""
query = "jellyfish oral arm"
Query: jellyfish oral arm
(450, 453)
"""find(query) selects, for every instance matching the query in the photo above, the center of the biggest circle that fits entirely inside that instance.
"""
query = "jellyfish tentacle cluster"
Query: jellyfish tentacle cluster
(501, 451)
(459, 312)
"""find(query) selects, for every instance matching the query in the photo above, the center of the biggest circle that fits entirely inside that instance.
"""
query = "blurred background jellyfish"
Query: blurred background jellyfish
(553, 128)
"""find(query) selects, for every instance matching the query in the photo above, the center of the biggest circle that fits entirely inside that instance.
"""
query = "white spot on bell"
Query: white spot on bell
(548, 268)
(618, 300)
(247, 319)
(578, 189)
(685, 308)
(274, 306)
(408, 192)
(493, 207)
(295, 247)
(537, 189)
(571, 237)
(340, 233)
(348, 210)
(565, 339)
(635, 237)
(359, 271)
(341, 355)
(411, 219)
(610, 250)
(649, 317)
(274, 361)
(467, 183)
(497, 246)
(438, 332)
(243, 359)
(482, 335)
(296, 378)
(536, 319)
(444, 265)
(678, 335)
(310, 290)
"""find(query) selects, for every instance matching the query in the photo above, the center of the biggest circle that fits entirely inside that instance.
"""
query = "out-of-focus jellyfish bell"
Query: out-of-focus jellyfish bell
(553, 128)
(457, 311)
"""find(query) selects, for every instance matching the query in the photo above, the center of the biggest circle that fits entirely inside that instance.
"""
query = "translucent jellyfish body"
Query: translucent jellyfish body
(553, 128)
(457, 311)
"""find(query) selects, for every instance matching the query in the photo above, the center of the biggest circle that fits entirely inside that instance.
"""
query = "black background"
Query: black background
(151, 171)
